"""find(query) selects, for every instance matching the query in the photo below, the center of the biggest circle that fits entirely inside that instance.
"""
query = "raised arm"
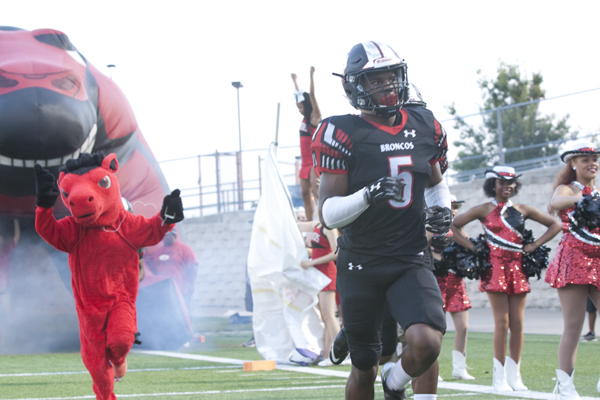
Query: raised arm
(60, 234)
(315, 116)
(551, 223)
(294, 77)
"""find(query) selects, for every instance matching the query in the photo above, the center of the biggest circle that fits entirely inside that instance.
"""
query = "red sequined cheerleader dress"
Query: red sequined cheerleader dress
(306, 133)
(504, 228)
(577, 258)
(454, 293)
(321, 247)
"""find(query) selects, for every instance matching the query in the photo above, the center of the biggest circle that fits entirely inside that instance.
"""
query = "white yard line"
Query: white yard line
(470, 389)
(194, 393)
(463, 387)
(128, 371)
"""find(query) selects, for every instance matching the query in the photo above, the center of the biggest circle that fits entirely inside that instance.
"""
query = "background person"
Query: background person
(505, 282)
(456, 301)
(591, 310)
(322, 241)
(574, 269)
(175, 259)
(308, 107)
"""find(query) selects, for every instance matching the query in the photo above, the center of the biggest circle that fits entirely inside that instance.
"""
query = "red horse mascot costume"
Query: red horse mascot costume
(101, 239)
(55, 105)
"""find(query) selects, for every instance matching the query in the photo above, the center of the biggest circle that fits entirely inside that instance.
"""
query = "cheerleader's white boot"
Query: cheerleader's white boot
(459, 366)
(499, 383)
(513, 374)
(564, 386)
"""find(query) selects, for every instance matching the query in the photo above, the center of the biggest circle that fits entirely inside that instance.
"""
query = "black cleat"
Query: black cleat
(390, 394)
(339, 348)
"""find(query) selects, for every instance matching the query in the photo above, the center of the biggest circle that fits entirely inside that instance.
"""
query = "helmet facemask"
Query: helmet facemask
(377, 93)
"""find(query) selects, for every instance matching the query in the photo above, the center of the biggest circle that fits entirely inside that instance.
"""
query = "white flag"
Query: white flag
(284, 294)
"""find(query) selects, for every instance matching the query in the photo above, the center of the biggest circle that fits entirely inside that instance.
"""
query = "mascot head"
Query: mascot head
(90, 190)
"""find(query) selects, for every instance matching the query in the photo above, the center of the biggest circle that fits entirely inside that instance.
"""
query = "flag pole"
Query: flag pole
(277, 126)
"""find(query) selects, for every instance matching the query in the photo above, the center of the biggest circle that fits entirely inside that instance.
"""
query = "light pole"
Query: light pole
(237, 86)
(110, 69)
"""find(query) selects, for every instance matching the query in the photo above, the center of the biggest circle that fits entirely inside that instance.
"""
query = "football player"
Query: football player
(378, 169)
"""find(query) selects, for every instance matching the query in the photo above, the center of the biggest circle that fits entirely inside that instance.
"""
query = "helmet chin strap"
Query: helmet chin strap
(386, 113)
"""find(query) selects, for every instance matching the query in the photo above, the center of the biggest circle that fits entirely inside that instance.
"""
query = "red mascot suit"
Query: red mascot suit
(102, 240)
(55, 105)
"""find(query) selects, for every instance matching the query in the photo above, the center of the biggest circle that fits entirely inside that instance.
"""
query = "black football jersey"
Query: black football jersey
(366, 151)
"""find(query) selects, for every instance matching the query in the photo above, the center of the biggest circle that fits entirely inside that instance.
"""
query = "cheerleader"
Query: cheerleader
(574, 270)
(457, 303)
(323, 258)
(308, 107)
(505, 282)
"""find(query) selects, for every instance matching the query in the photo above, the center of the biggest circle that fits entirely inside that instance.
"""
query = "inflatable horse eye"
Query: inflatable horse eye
(105, 182)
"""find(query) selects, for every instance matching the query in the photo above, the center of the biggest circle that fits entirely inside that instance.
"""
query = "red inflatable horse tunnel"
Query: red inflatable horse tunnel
(55, 105)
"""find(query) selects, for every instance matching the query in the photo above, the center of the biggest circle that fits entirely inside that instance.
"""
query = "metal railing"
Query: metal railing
(220, 187)
(519, 166)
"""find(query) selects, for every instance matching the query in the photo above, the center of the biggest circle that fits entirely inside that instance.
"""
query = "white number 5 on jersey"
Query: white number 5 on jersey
(406, 177)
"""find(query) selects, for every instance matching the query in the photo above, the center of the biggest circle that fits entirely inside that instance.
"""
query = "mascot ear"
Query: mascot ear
(60, 178)
(110, 163)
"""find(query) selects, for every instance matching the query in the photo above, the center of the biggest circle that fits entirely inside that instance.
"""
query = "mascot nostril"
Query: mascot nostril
(103, 247)
(91, 199)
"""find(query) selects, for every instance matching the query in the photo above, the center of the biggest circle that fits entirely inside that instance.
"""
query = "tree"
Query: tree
(521, 126)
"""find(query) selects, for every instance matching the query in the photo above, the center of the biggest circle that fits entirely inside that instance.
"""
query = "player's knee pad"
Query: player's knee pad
(365, 358)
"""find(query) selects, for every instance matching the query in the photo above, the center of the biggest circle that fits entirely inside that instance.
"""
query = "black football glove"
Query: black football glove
(46, 189)
(438, 219)
(440, 242)
(383, 189)
(172, 208)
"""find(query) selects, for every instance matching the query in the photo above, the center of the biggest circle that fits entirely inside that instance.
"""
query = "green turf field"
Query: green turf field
(52, 376)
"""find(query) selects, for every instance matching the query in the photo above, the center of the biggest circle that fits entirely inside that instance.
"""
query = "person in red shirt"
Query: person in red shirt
(322, 241)
(175, 259)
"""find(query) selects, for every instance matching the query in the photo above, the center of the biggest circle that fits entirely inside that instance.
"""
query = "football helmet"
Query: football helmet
(369, 57)
(414, 96)
(126, 204)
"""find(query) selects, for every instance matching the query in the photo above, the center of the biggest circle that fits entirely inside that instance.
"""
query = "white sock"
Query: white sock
(397, 378)
(425, 397)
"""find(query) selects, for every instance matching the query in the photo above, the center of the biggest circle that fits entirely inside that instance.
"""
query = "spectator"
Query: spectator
(175, 259)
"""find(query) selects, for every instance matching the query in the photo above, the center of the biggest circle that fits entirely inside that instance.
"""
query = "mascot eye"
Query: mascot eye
(66, 83)
(65, 194)
(105, 182)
